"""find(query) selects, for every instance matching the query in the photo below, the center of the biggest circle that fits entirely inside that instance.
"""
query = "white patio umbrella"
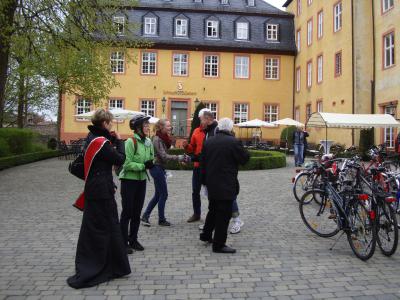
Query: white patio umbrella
(256, 123)
(153, 120)
(287, 122)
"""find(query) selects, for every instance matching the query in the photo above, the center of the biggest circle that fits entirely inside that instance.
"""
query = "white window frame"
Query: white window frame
(308, 111)
(389, 131)
(117, 62)
(309, 74)
(181, 29)
(320, 106)
(299, 8)
(271, 112)
(82, 106)
(214, 26)
(272, 32)
(180, 63)
(240, 112)
(337, 16)
(272, 68)
(297, 114)
(320, 68)
(150, 26)
(211, 65)
(298, 79)
(320, 26)
(309, 2)
(149, 62)
(388, 50)
(213, 107)
(148, 107)
(119, 23)
(338, 67)
(251, 3)
(298, 40)
(387, 5)
(242, 67)
(309, 32)
(242, 30)
(224, 2)
(115, 103)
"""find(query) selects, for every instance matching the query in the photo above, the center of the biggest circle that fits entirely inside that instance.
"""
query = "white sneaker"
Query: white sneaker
(201, 226)
(236, 226)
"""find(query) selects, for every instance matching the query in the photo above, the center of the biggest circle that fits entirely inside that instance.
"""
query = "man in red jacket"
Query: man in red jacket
(195, 147)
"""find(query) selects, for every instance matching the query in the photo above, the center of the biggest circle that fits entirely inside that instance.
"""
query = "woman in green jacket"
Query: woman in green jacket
(139, 154)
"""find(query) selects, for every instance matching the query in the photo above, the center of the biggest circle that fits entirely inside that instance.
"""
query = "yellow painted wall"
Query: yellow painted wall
(226, 90)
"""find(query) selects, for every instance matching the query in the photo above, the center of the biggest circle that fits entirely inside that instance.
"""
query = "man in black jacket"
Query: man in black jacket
(221, 157)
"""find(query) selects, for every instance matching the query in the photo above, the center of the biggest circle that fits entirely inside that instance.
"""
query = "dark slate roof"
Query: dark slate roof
(286, 4)
(197, 41)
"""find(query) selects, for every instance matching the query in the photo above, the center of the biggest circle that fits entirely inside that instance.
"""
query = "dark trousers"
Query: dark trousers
(160, 195)
(217, 220)
(133, 193)
(196, 187)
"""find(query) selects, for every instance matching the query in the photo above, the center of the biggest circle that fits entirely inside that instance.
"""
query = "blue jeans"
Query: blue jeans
(298, 154)
(161, 193)
(235, 208)
(196, 187)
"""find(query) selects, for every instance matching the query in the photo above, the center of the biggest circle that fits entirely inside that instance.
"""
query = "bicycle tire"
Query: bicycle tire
(320, 211)
(298, 182)
(383, 228)
(367, 225)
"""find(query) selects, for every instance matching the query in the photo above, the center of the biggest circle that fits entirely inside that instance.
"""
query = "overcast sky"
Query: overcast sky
(276, 3)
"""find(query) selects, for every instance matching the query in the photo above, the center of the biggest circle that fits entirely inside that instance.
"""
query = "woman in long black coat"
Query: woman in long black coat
(101, 254)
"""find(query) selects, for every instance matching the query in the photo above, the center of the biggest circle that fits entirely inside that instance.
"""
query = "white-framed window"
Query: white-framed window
(338, 64)
(149, 63)
(150, 25)
(320, 106)
(309, 2)
(242, 66)
(119, 23)
(180, 67)
(116, 103)
(213, 107)
(308, 111)
(309, 32)
(299, 7)
(251, 3)
(298, 79)
(212, 29)
(337, 16)
(148, 107)
(386, 5)
(225, 2)
(320, 68)
(272, 32)
(271, 113)
(181, 27)
(388, 50)
(242, 30)
(297, 114)
(272, 68)
(388, 137)
(320, 27)
(82, 106)
(117, 61)
(240, 113)
(298, 40)
(309, 74)
(211, 66)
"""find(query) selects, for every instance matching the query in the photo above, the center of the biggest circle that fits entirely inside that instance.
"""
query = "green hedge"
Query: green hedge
(16, 160)
(15, 141)
(259, 160)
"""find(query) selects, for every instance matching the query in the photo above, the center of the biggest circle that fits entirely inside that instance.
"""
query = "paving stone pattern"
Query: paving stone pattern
(278, 258)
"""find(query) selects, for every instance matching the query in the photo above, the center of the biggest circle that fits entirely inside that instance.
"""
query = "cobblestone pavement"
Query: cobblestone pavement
(277, 257)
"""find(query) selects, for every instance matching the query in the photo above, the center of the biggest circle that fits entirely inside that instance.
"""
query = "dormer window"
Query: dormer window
(212, 29)
(119, 23)
(272, 32)
(198, 1)
(150, 25)
(181, 26)
(242, 30)
(251, 3)
(224, 2)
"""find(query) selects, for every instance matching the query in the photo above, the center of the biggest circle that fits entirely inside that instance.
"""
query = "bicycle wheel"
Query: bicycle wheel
(302, 184)
(318, 216)
(387, 231)
(361, 234)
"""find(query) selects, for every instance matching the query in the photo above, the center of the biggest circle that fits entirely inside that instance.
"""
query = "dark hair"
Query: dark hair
(208, 114)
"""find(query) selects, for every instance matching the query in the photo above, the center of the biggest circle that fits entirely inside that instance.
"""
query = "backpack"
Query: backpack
(118, 169)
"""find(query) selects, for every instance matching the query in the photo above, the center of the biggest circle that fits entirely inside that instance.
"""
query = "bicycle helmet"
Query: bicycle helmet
(137, 121)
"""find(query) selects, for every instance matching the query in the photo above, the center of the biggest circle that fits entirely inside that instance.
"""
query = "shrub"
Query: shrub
(16, 160)
(19, 140)
(289, 131)
(52, 144)
(196, 119)
(4, 148)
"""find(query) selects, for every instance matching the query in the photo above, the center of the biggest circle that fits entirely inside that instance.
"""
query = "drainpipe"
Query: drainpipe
(373, 61)
(352, 67)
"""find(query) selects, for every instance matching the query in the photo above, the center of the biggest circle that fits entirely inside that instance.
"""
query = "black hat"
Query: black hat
(137, 121)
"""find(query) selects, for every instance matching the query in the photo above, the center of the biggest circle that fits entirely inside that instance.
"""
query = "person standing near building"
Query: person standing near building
(221, 157)
(100, 254)
(139, 158)
(299, 137)
(162, 142)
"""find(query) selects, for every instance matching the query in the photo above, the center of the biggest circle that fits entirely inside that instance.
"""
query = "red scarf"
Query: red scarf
(165, 138)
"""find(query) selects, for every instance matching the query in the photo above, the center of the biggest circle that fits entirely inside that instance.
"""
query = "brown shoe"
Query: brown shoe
(193, 218)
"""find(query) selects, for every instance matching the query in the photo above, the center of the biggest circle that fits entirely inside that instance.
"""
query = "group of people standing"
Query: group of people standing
(105, 240)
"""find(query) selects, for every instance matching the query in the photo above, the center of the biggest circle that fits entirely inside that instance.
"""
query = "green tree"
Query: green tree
(196, 119)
